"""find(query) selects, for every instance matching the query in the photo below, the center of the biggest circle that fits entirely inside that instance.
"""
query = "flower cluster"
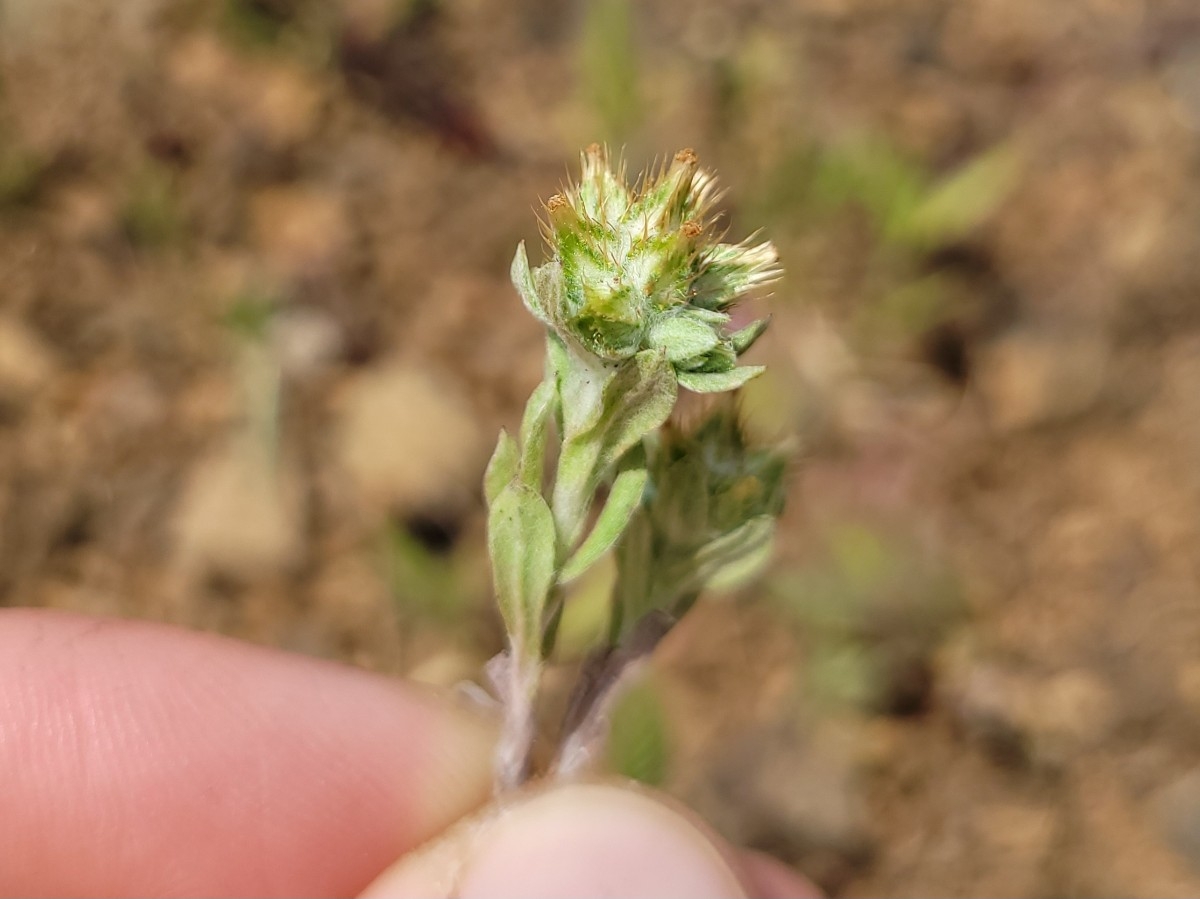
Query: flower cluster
(638, 270)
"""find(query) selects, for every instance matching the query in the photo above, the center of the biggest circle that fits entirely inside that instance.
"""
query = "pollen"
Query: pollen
(687, 156)
(692, 229)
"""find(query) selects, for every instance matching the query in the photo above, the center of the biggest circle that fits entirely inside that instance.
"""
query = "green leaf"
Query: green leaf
(681, 501)
(534, 425)
(682, 337)
(638, 744)
(582, 379)
(548, 284)
(745, 338)
(635, 401)
(960, 203)
(522, 279)
(749, 563)
(521, 543)
(718, 382)
(502, 467)
(724, 557)
(623, 500)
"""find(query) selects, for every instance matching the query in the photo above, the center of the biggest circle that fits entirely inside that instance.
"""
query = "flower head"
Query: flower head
(642, 269)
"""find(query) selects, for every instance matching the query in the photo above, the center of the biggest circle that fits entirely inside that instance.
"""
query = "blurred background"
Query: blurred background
(257, 338)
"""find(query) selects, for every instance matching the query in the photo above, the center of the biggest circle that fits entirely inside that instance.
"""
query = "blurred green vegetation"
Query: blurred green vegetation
(908, 212)
(639, 746)
(304, 30)
(22, 175)
(869, 612)
(150, 215)
(447, 590)
(609, 67)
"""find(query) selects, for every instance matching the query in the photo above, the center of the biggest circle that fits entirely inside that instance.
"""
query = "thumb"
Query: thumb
(580, 840)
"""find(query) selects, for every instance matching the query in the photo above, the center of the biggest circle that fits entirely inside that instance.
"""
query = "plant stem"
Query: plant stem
(517, 688)
(602, 679)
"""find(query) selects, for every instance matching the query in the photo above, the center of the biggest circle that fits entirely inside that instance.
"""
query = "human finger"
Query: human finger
(140, 759)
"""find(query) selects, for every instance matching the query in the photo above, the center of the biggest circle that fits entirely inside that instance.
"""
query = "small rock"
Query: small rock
(408, 442)
(795, 792)
(239, 516)
(86, 214)
(283, 107)
(1030, 378)
(1116, 845)
(308, 341)
(278, 105)
(1187, 684)
(993, 705)
(26, 363)
(1178, 807)
(1026, 719)
(303, 232)
(1072, 712)
(1016, 842)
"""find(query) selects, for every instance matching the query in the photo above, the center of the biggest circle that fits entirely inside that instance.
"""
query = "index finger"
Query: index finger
(139, 759)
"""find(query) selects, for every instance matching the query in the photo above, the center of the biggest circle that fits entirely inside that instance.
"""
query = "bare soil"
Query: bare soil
(256, 339)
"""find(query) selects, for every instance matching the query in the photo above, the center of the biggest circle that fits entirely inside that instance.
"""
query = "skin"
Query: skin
(137, 759)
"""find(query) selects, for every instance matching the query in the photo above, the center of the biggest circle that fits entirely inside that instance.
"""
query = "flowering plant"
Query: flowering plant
(636, 300)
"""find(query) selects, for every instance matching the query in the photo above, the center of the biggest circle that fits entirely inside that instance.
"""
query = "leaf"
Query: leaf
(682, 337)
(718, 382)
(681, 500)
(534, 425)
(723, 557)
(635, 401)
(522, 279)
(745, 338)
(623, 501)
(749, 564)
(960, 203)
(502, 468)
(582, 379)
(521, 543)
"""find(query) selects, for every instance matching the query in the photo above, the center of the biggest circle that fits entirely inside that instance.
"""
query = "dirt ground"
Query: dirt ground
(256, 339)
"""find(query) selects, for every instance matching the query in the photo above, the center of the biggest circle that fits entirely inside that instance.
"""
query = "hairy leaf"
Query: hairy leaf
(521, 543)
(538, 412)
(522, 279)
(682, 337)
(636, 401)
(719, 382)
(623, 500)
(502, 468)
(745, 338)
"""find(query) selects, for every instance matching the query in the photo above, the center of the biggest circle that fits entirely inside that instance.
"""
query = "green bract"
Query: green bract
(638, 270)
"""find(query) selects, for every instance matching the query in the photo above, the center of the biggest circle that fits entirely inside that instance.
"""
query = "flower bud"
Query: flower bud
(637, 270)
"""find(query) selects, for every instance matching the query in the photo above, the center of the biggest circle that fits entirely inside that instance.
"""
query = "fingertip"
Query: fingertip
(580, 840)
